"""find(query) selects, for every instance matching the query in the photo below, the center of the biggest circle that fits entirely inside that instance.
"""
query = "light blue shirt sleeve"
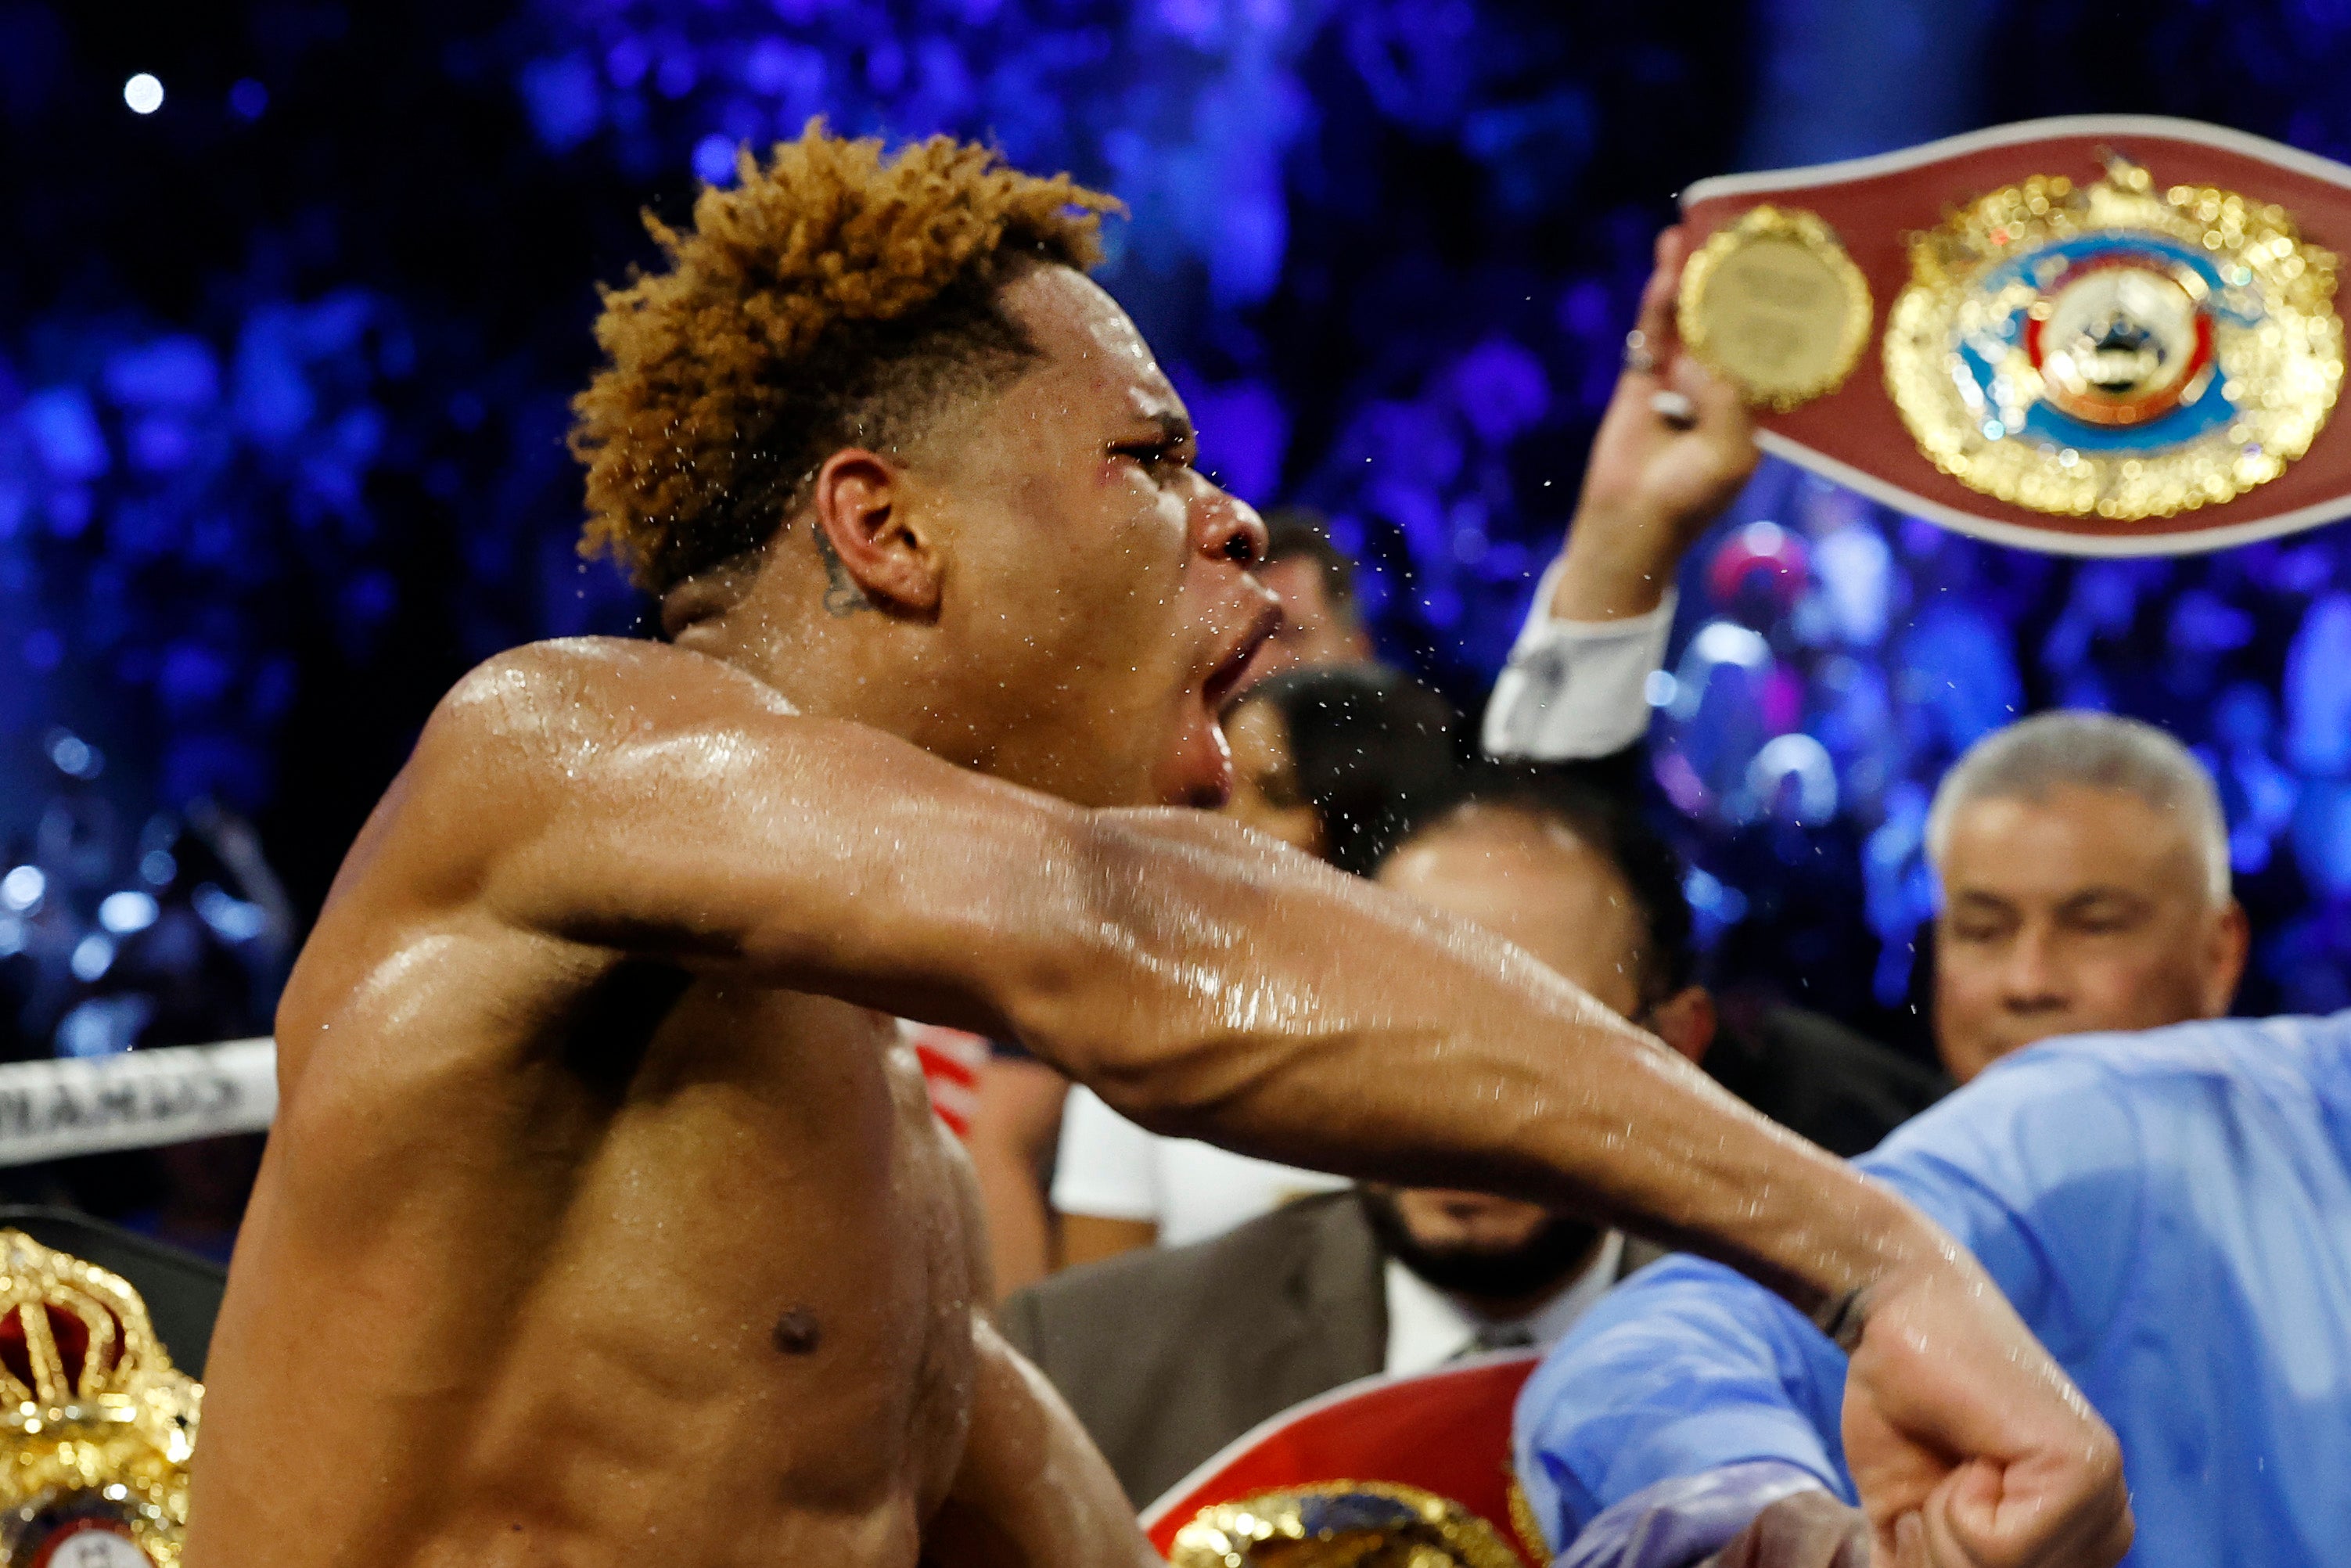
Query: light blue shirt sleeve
(1688, 1367)
(2040, 1167)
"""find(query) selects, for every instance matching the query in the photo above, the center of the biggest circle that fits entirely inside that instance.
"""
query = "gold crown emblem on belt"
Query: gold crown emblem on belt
(96, 1425)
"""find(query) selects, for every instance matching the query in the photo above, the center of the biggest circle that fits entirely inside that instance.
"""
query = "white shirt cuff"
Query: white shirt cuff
(1576, 689)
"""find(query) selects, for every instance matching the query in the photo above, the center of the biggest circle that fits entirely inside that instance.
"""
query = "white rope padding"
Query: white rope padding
(51, 1110)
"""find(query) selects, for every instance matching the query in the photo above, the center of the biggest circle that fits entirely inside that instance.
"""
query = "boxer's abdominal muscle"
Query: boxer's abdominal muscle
(608, 1285)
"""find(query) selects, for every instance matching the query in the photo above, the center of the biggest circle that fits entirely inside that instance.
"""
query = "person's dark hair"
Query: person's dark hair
(832, 297)
(1370, 748)
(1295, 532)
(1613, 827)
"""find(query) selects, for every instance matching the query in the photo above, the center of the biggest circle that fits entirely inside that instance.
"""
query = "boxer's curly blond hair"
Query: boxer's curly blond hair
(833, 298)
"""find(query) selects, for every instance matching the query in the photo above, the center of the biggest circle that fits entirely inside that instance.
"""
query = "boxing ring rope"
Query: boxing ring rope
(52, 1109)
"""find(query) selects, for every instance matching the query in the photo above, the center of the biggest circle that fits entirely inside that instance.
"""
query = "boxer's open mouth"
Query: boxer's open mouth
(1226, 673)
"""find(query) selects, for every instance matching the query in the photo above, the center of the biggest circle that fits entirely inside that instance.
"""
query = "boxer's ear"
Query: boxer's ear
(1685, 1020)
(877, 556)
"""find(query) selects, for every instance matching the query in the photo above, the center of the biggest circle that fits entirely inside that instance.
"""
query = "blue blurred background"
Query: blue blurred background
(284, 363)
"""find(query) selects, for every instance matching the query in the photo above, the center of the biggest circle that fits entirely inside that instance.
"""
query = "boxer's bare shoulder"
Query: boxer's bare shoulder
(536, 734)
(610, 1248)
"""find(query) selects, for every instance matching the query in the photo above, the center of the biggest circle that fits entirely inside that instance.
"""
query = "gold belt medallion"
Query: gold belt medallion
(1774, 303)
(2113, 349)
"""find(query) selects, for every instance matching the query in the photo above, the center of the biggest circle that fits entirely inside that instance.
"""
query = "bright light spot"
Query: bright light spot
(1797, 765)
(144, 93)
(1660, 687)
(1719, 903)
(126, 912)
(714, 159)
(103, 1026)
(21, 889)
(1729, 643)
(233, 918)
(158, 866)
(74, 755)
(92, 955)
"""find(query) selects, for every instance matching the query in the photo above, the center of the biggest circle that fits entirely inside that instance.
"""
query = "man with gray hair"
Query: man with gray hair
(2084, 866)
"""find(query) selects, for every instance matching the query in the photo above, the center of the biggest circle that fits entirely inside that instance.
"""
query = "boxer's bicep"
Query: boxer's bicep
(1032, 1491)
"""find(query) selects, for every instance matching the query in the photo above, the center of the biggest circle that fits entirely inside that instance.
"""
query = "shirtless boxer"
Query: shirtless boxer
(604, 1222)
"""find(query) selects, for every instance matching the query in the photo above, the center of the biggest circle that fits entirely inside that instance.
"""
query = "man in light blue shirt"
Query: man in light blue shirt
(2169, 1212)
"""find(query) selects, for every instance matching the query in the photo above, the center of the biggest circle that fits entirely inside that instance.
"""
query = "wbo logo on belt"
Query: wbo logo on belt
(2097, 335)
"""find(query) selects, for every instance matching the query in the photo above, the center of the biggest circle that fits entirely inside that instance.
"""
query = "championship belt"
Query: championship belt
(2101, 335)
(96, 1426)
(1390, 1472)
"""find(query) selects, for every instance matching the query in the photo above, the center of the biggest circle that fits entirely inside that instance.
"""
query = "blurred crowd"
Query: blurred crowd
(117, 934)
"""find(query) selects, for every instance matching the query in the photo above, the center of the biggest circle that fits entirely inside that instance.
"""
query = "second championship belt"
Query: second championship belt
(97, 1427)
(1391, 1472)
(2101, 335)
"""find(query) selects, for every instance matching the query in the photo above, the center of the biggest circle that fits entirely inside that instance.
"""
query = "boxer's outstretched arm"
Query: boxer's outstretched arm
(1207, 981)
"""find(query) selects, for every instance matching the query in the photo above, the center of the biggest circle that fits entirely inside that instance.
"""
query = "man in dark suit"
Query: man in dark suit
(1167, 1355)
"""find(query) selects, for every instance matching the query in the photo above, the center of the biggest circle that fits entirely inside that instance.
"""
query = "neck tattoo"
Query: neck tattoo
(842, 596)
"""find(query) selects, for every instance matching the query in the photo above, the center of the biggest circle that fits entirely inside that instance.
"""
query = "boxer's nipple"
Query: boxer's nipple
(797, 1332)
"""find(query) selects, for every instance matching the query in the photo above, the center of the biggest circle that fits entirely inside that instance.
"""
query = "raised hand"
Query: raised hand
(1661, 468)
